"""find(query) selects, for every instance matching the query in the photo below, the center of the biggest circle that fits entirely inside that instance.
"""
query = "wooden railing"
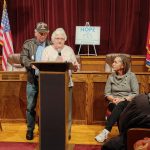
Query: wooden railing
(89, 105)
(97, 63)
(12, 76)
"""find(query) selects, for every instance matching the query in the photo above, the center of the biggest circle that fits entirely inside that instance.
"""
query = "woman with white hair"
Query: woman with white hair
(59, 52)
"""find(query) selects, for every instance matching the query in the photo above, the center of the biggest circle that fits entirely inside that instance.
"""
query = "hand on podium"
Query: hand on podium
(76, 66)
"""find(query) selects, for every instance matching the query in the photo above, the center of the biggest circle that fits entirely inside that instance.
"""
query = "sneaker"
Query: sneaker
(102, 136)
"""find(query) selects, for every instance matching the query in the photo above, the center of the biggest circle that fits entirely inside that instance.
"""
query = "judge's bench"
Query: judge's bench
(89, 105)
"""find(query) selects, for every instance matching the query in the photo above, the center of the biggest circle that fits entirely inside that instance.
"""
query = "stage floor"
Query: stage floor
(81, 134)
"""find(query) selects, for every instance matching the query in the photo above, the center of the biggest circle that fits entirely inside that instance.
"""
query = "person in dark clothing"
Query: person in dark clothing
(32, 51)
(135, 115)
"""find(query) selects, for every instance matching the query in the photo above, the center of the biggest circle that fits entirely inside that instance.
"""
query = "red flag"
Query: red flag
(148, 48)
(5, 37)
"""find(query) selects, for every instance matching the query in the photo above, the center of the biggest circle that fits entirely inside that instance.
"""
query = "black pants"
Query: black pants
(115, 115)
(116, 143)
(135, 115)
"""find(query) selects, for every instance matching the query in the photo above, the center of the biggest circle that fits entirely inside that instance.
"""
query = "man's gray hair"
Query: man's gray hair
(59, 31)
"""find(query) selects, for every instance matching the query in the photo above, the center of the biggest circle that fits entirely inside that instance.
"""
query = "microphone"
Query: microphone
(59, 53)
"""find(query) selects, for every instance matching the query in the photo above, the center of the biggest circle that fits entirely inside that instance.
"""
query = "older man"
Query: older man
(32, 51)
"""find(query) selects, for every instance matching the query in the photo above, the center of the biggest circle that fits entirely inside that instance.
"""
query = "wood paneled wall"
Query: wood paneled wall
(12, 96)
(89, 105)
(97, 63)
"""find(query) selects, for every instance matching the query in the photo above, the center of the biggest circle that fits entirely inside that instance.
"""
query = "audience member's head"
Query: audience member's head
(121, 64)
(143, 144)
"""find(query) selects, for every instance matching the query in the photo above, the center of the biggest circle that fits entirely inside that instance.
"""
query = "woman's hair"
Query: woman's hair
(59, 31)
(125, 61)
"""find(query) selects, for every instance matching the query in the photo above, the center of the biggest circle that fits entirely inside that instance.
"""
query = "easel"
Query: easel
(87, 24)
(94, 54)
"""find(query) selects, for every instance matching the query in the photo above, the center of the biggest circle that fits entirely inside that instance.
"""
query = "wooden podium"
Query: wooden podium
(53, 93)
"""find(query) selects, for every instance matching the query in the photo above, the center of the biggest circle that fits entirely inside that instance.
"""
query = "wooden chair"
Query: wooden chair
(135, 134)
(14, 64)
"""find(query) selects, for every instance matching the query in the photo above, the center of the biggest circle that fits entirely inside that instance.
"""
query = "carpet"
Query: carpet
(17, 146)
(33, 146)
(87, 147)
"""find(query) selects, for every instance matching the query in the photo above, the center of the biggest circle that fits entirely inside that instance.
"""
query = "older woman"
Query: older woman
(59, 52)
(121, 87)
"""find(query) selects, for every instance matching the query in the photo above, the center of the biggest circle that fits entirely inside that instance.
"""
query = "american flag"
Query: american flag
(5, 38)
(148, 48)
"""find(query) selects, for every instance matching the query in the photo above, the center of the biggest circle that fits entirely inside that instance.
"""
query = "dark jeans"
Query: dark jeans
(114, 117)
(32, 93)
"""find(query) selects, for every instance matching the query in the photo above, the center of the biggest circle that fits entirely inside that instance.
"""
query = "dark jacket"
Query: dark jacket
(28, 55)
(135, 115)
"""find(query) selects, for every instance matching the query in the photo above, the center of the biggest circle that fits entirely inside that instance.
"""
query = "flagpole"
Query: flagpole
(148, 48)
(5, 37)
(4, 4)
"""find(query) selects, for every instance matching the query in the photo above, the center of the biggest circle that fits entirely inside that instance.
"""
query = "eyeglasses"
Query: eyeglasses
(60, 39)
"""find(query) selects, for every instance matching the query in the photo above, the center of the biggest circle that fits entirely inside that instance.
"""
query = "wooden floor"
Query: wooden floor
(81, 134)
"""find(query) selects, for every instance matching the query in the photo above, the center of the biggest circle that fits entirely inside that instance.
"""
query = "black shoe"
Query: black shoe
(29, 135)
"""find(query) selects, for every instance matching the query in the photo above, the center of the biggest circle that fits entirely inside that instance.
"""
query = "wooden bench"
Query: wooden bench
(135, 134)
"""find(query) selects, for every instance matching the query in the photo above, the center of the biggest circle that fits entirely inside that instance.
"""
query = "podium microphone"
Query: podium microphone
(59, 53)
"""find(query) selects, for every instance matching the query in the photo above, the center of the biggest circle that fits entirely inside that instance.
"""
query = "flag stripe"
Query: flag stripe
(8, 44)
(148, 48)
(5, 52)
(1, 35)
(5, 37)
(4, 61)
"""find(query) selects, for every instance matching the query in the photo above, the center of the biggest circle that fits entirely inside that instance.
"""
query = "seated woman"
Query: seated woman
(121, 87)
